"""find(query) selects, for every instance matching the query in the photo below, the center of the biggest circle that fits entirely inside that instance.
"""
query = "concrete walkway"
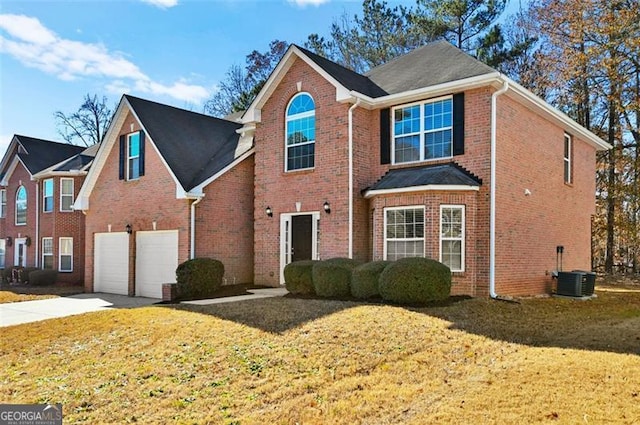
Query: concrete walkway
(34, 311)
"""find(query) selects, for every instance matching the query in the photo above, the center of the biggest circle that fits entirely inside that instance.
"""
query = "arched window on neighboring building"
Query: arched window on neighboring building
(301, 133)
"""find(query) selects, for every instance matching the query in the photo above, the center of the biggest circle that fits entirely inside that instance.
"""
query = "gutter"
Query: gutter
(351, 109)
(37, 238)
(492, 211)
(192, 244)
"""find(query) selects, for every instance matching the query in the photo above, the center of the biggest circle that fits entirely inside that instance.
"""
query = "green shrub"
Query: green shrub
(415, 280)
(21, 274)
(298, 277)
(364, 279)
(43, 277)
(332, 278)
(199, 278)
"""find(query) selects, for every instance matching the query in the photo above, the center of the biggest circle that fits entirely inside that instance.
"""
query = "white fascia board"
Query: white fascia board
(424, 188)
(253, 113)
(200, 188)
(12, 168)
(72, 173)
(6, 158)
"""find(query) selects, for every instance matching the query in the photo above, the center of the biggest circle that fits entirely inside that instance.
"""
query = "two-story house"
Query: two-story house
(166, 185)
(433, 154)
(38, 226)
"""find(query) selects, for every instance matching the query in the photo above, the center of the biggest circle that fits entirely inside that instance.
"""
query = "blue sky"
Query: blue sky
(53, 52)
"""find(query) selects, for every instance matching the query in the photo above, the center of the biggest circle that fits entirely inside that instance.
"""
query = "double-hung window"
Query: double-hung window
(65, 260)
(452, 228)
(133, 156)
(3, 203)
(567, 159)
(21, 206)
(66, 194)
(300, 133)
(403, 232)
(47, 195)
(423, 131)
(2, 252)
(47, 253)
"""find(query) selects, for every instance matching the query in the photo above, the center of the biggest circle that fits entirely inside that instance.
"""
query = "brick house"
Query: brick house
(166, 185)
(432, 154)
(38, 226)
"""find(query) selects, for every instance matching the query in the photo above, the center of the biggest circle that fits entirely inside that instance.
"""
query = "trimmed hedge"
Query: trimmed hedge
(43, 277)
(298, 277)
(332, 278)
(364, 279)
(415, 280)
(199, 278)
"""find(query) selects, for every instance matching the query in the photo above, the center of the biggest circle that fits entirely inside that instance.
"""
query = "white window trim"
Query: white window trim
(422, 131)
(62, 195)
(129, 158)
(288, 118)
(567, 164)
(3, 203)
(44, 195)
(26, 203)
(3, 247)
(44, 254)
(461, 239)
(384, 228)
(60, 254)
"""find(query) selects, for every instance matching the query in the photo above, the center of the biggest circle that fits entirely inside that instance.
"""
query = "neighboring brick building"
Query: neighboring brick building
(432, 154)
(38, 226)
(166, 185)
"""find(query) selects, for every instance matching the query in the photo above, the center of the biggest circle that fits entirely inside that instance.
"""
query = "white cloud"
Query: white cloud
(35, 46)
(163, 4)
(305, 3)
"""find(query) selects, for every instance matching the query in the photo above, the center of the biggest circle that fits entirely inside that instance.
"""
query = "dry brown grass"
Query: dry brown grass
(286, 361)
(14, 297)
(18, 293)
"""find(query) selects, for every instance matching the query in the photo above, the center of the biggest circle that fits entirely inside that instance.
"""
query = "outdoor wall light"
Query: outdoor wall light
(27, 241)
(269, 212)
(128, 227)
(327, 207)
(9, 240)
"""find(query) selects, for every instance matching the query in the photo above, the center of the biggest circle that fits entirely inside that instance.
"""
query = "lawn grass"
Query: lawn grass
(287, 361)
(15, 297)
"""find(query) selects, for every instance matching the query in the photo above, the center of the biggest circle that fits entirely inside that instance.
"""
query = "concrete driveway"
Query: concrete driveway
(33, 311)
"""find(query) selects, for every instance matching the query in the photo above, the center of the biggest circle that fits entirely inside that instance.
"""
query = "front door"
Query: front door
(20, 257)
(298, 238)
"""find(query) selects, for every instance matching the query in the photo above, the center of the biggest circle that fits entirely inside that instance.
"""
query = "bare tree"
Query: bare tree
(88, 124)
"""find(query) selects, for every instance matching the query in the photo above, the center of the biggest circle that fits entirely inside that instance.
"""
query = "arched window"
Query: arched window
(301, 133)
(21, 205)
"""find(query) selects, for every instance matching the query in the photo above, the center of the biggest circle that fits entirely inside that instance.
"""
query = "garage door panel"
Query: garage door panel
(156, 261)
(111, 263)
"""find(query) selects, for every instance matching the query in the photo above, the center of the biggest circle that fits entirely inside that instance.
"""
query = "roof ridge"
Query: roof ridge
(128, 96)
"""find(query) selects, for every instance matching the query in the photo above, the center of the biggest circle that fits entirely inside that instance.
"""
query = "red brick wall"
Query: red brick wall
(224, 222)
(529, 227)
(280, 190)
(138, 203)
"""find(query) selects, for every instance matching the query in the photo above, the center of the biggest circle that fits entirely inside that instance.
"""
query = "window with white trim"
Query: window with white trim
(65, 256)
(452, 235)
(133, 156)
(2, 252)
(66, 194)
(47, 253)
(300, 133)
(3, 203)
(423, 131)
(21, 206)
(568, 148)
(47, 195)
(403, 232)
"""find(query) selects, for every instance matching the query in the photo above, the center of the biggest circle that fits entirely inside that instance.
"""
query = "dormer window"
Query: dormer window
(300, 133)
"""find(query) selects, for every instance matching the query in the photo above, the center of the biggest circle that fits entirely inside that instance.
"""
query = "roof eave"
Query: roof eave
(424, 188)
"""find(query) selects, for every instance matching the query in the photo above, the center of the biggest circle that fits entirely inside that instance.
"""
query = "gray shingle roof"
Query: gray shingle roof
(195, 146)
(442, 174)
(38, 154)
(78, 162)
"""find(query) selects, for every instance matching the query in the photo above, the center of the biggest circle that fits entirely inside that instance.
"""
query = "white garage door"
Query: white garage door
(156, 261)
(111, 263)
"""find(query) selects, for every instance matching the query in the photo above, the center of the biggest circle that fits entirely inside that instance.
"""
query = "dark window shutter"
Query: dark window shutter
(458, 124)
(385, 136)
(123, 147)
(141, 153)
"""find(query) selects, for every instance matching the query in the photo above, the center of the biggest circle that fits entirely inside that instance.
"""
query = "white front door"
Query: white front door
(298, 238)
(20, 256)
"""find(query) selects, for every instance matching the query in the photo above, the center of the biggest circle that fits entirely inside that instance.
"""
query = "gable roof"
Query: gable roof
(449, 176)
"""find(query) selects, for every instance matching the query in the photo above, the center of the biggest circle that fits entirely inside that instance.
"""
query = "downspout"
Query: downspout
(492, 211)
(37, 257)
(351, 109)
(192, 250)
